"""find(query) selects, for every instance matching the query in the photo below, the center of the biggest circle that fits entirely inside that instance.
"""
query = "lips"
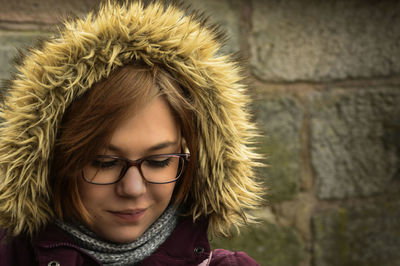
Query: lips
(129, 215)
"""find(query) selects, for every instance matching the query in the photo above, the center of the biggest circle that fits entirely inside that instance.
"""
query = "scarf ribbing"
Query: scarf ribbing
(114, 254)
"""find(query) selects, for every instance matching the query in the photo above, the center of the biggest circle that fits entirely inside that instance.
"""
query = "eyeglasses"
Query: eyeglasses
(155, 169)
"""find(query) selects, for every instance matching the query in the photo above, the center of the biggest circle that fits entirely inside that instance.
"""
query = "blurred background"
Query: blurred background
(325, 79)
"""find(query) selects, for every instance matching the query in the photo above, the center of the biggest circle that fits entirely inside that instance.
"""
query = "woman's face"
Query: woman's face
(123, 211)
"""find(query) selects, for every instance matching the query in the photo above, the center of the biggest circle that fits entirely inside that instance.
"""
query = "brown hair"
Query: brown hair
(89, 122)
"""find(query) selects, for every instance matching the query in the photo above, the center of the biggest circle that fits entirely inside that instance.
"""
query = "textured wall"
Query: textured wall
(325, 78)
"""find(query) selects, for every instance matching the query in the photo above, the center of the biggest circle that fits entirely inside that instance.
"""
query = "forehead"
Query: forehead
(148, 126)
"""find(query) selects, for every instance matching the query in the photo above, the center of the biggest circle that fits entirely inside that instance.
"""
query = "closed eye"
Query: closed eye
(101, 164)
(158, 163)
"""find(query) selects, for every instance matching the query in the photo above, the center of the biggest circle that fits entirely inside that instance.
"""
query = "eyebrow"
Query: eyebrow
(156, 147)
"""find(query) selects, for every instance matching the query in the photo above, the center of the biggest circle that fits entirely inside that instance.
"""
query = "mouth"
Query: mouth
(129, 215)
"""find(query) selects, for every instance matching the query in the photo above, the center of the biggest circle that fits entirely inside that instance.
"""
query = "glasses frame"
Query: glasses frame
(138, 164)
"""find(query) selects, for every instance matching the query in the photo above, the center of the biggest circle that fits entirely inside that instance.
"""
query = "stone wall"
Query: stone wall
(326, 87)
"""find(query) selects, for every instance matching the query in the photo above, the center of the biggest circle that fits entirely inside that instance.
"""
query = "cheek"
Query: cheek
(162, 193)
(91, 195)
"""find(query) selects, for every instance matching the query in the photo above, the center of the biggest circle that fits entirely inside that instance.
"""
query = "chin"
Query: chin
(122, 237)
(124, 240)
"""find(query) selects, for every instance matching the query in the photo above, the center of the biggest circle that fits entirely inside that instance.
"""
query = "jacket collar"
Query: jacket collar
(187, 245)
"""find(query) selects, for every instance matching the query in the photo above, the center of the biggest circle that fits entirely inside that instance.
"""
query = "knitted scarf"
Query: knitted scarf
(110, 253)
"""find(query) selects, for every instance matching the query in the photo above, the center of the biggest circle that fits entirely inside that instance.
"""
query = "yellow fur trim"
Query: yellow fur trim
(87, 50)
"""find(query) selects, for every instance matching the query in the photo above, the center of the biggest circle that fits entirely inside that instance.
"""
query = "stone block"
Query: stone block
(9, 43)
(41, 12)
(279, 118)
(269, 244)
(325, 40)
(362, 236)
(225, 13)
(355, 141)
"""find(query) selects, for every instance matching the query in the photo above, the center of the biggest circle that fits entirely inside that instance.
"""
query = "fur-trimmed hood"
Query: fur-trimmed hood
(87, 50)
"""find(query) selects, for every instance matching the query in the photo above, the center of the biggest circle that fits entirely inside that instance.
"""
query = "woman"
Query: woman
(124, 142)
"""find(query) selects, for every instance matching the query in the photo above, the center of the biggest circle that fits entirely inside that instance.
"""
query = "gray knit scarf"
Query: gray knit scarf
(110, 253)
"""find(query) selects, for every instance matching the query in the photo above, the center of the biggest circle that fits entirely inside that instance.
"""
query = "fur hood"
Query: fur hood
(85, 51)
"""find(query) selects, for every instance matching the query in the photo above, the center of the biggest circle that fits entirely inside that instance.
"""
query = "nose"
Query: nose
(132, 184)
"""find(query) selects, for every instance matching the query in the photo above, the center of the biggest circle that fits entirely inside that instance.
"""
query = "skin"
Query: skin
(150, 130)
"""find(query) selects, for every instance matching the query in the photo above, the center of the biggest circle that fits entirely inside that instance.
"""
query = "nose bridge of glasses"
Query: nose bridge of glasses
(136, 163)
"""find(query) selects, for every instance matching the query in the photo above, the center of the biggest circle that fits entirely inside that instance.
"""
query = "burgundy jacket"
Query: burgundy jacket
(187, 245)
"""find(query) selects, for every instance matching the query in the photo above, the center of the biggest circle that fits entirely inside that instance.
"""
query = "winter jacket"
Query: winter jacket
(188, 245)
(85, 51)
